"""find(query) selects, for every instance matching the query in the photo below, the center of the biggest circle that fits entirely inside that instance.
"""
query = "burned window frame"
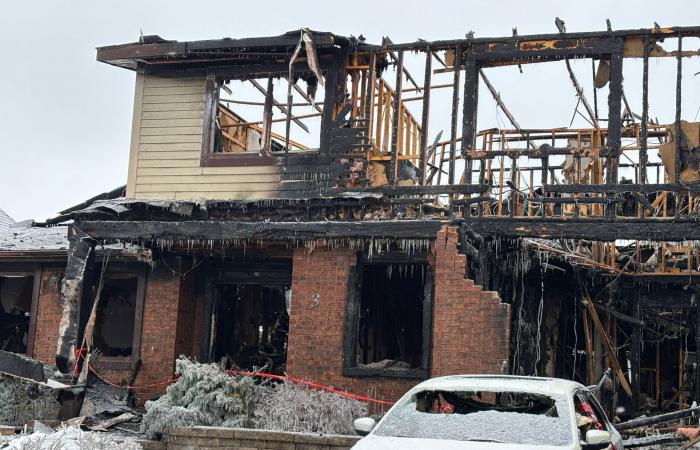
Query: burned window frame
(352, 320)
(36, 289)
(331, 67)
(127, 271)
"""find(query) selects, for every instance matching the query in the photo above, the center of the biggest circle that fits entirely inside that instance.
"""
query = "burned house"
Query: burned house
(320, 206)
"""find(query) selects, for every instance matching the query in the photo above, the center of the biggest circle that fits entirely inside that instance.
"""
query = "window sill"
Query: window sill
(253, 159)
(386, 373)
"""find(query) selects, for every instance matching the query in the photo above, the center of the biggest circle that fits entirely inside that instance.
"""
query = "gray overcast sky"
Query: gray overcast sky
(65, 119)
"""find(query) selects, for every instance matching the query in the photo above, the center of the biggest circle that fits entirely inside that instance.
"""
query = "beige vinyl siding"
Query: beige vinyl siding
(166, 148)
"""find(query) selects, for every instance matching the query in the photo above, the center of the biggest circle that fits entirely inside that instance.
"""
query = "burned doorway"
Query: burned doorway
(249, 327)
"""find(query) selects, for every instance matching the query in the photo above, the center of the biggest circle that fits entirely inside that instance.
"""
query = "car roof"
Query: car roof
(500, 383)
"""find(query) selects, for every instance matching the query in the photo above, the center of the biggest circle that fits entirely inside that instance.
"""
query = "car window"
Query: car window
(589, 415)
(483, 416)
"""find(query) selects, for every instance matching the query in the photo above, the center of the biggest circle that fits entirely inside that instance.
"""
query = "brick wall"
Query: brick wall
(315, 342)
(161, 308)
(470, 326)
(168, 328)
(48, 317)
(186, 438)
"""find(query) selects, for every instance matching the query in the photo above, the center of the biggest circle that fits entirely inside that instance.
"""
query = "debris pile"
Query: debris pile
(661, 430)
(23, 399)
(69, 438)
(205, 395)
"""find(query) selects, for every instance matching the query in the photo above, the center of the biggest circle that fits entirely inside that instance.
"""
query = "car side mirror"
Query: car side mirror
(597, 440)
(364, 425)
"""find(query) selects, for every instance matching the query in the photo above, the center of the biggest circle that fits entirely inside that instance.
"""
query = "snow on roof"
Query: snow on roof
(5, 220)
(22, 236)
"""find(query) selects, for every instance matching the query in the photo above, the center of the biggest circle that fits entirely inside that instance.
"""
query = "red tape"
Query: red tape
(80, 355)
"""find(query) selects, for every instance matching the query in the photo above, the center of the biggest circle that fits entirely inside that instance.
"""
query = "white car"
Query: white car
(492, 412)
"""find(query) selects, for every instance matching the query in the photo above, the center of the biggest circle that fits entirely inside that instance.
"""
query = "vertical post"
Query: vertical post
(425, 120)
(455, 106)
(636, 354)
(395, 120)
(679, 75)
(469, 112)
(369, 93)
(595, 92)
(267, 119)
(330, 100)
(645, 117)
(614, 124)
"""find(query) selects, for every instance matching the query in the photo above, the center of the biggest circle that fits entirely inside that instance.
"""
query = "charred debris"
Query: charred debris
(312, 140)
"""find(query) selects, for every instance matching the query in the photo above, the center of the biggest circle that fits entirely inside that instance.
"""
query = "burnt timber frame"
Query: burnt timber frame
(269, 57)
(599, 229)
(283, 231)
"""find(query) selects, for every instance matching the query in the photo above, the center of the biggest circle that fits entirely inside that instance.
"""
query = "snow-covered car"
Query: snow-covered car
(492, 412)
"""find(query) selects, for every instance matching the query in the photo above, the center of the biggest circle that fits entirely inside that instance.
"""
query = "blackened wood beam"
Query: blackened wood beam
(387, 41)
(619, 188)
(279, 105)
(614, 136)
(644, 131)
(414, 190)
(425, 119)
(395, 120)
(678, 134)
(455, 112)
(497, 97)
(282, 231)
(80, 254)
(581, 96)
(593, 229)
(469, 110)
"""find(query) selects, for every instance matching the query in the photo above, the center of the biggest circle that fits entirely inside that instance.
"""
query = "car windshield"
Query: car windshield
(484, 416)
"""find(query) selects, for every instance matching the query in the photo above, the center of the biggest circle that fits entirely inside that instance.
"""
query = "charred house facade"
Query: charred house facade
(320, 206)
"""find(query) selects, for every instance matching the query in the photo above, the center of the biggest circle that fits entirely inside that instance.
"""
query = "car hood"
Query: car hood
(392, 443)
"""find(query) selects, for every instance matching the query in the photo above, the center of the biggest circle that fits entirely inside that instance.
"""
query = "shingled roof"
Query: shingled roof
(22, 236)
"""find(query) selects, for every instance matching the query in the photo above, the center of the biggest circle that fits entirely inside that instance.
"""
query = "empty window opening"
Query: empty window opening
(390, 332)
(249, 327)
(252, 114)
(115, 315)
(16, 301)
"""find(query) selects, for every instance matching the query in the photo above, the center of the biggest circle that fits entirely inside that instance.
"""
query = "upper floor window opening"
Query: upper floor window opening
(249, 117)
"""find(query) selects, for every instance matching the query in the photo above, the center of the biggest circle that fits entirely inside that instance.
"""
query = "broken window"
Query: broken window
(250, 117)
(249, 327)
(16, 293)
(115, 319)
(390, 319)
(526, 418)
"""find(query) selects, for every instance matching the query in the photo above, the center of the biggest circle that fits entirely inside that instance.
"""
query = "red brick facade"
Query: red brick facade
(470, 326)
(48, 316)
(168, 301)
